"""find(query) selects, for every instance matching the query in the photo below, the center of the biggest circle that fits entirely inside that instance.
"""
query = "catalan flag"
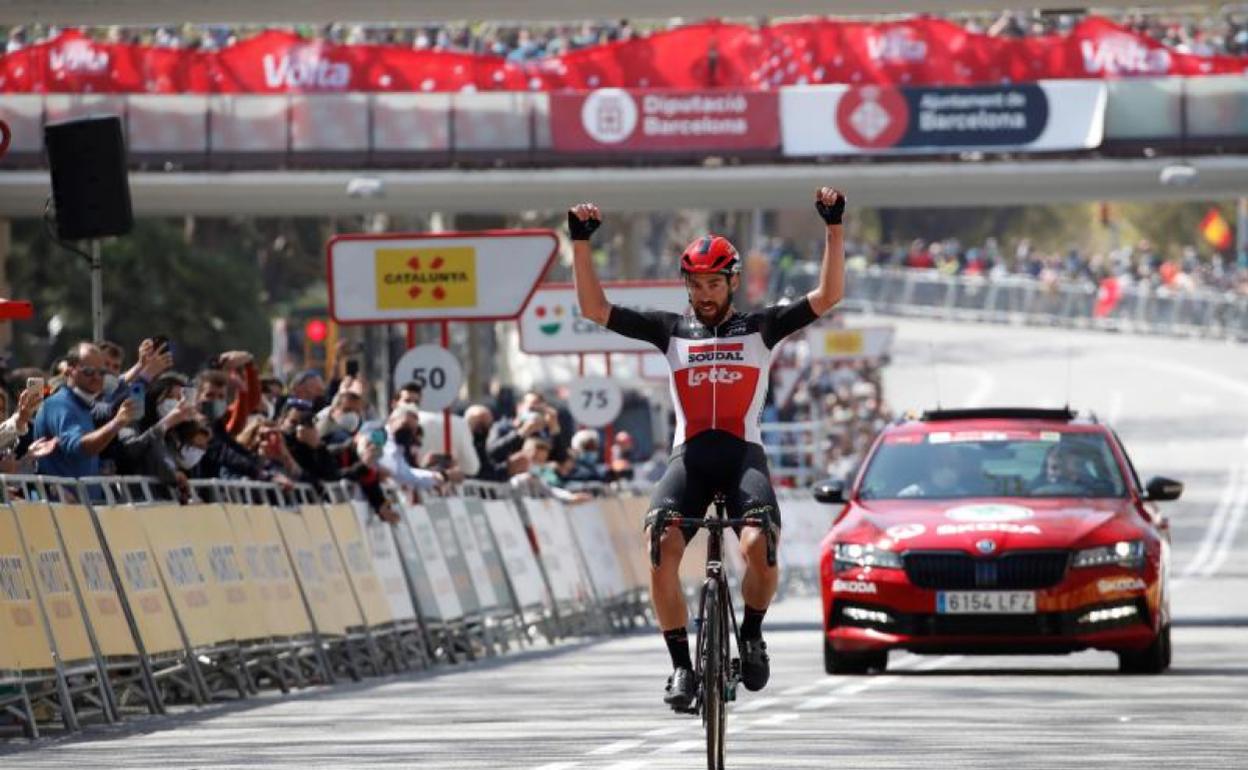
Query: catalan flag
(1216, 230)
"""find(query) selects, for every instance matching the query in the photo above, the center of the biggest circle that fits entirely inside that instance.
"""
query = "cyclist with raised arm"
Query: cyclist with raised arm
(720, 361)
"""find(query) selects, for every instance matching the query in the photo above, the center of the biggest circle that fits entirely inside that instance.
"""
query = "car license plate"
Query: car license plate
(986, 602)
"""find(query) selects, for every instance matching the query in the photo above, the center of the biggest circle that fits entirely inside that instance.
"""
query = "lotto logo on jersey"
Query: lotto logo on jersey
(705, 354)
(715, 375)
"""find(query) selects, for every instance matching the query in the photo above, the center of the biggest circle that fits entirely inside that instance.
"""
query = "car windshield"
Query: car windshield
(957, 464)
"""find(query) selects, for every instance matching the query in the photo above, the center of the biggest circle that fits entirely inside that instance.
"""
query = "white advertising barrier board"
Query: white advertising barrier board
(827, 344)
(489, 551)
(386, 563)
(805, 523)
(522, 567)
(453, 553)
(854, 120)
(552, 321)
(592, 534)
(388, 278)
(558, 551)
(422, 585)
(448, 606)
(472, 554)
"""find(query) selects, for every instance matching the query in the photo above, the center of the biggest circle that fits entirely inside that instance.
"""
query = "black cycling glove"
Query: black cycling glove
(581, 229)
(832, 214)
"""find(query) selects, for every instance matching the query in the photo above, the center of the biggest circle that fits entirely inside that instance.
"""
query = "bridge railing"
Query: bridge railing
(359, 130)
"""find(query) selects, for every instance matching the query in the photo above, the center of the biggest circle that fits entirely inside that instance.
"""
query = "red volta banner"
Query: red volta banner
(911, 52)
(617, 119)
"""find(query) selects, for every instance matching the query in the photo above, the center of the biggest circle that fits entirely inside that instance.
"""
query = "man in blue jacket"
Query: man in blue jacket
(67, 417)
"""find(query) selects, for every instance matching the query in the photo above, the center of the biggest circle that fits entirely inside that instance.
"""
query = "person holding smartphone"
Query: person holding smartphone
(18, 424)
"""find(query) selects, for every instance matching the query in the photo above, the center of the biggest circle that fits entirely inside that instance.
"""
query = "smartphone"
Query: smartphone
(378, 437)
(353, 368)
(189, 393)
(160, 341)
(35, 383)
(137, 395)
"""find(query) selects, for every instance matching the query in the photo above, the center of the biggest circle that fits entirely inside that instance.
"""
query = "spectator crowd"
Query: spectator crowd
(95, 413)
(1201, 33)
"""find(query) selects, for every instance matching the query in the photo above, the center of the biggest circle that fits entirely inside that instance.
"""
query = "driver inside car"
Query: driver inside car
(1063, 471)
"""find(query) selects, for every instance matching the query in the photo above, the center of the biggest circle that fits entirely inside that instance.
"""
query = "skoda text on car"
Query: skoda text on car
(1007, 531)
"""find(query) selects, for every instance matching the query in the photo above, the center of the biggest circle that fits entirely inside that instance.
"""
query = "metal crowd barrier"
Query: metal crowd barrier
(114, 599)
(1023, 300)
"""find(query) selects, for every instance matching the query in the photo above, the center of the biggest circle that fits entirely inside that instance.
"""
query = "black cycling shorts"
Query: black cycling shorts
(710, 462)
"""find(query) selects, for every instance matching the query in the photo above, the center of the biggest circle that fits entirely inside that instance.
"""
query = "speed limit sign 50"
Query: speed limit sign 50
(595, 402)
(435, 370)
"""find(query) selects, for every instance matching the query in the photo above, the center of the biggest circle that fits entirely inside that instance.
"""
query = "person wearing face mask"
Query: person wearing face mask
(225, 457)
(341, 420)
(585, 458)
(153, 360)
(144, 449)
(67, 416)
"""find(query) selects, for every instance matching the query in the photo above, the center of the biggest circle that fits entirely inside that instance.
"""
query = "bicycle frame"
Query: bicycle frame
(715, 670)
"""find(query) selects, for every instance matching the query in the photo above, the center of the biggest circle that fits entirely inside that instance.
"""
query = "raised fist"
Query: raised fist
(830, 204)
(583, 220)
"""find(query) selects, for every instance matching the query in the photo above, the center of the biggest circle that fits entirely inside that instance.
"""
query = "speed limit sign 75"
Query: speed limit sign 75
(595, 402)
(435, 370)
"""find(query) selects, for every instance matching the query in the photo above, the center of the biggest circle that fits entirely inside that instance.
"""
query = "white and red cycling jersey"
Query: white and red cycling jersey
(720, 374)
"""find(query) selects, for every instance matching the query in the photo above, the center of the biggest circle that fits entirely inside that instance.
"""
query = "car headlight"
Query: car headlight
(1126, 553)
(849, 555)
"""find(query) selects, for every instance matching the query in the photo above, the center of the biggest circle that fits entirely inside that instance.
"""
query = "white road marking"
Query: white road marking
(662, 731)
(755, 705)
(803, 689)
(628, 764)
(1229, 531)
(1115, 407)
(616, 748)
(558, 766)
(680, 747)
(777, 719)
(986, 382)
(941, 662)
(1217, 522)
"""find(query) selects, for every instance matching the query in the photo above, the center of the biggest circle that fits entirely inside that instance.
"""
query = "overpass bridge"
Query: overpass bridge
(899, 185)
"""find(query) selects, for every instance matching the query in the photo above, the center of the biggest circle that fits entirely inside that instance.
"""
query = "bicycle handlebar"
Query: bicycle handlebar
(661, 520)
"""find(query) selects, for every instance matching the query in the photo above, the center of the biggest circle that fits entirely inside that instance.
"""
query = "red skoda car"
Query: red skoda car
(996, 531)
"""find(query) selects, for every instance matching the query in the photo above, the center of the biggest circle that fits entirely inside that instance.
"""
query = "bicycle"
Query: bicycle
(716, 671)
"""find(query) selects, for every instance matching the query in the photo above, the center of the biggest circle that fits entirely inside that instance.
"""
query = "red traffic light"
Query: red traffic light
(316, 330)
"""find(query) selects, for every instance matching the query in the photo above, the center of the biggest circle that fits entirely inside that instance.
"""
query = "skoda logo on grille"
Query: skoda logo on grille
(986, 546)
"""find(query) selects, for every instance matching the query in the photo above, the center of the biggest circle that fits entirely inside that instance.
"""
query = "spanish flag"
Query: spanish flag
(1216, 230)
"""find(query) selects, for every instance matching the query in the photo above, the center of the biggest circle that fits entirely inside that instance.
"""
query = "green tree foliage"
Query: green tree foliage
(205, 299)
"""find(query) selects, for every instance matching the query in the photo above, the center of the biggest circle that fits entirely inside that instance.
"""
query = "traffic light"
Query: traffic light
(316, 330)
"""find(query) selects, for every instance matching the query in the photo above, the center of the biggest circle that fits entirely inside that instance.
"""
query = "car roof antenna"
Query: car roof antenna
(931, 346)
(1070, 354)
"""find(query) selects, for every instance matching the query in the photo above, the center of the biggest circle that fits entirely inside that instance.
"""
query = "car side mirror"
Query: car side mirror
(1160, 488)
(830, 491)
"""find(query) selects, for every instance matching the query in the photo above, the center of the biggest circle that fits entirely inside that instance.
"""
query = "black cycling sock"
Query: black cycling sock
(678, 647)
(752, 625)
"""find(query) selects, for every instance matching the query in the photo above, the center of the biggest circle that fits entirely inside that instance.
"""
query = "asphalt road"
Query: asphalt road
(1182, 410)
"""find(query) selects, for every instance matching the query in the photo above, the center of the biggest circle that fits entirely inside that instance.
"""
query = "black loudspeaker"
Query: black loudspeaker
(90, 185)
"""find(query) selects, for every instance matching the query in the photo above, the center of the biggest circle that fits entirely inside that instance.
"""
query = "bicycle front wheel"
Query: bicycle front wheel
(713, 654)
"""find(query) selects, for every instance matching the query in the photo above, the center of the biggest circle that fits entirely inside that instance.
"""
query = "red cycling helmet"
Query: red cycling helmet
(710, 254)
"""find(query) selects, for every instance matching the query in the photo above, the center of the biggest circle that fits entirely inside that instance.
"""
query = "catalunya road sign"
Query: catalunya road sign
(552, 321)
(393, 277)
